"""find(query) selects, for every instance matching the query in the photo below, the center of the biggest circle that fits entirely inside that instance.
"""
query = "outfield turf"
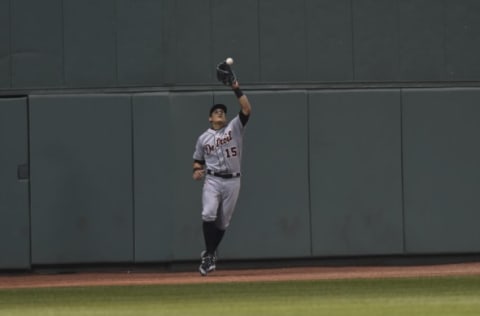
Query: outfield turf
(423, 296)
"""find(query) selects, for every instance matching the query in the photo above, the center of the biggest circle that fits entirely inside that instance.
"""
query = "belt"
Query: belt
(224, 175)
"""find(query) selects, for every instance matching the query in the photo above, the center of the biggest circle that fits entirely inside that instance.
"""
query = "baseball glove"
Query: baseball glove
(225, 74)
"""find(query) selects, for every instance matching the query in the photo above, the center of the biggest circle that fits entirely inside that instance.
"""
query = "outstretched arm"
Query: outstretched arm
(246, 108)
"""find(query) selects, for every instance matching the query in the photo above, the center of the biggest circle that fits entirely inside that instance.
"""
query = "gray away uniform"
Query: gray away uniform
(221, 150)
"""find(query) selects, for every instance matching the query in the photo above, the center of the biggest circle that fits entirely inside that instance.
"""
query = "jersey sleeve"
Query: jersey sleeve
(198, 153)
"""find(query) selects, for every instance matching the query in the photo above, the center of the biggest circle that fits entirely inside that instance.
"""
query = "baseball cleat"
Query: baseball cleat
(204, 253)
(208, 264)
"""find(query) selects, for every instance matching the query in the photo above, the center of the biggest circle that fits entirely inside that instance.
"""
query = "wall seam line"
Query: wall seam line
(402, 174)
(309, 181)
(10, 39)
(29, 182)
(352, 34)
(132, 142)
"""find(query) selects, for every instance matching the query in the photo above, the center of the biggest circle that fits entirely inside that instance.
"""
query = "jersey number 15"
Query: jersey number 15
(231, 152)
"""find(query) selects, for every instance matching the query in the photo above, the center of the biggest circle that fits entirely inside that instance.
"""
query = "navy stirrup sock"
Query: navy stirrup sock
(210, 236)
(213, 236)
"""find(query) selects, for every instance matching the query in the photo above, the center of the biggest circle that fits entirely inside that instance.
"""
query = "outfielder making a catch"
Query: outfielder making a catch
(217, 157)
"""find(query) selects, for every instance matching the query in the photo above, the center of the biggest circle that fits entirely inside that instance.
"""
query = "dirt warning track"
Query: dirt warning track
(125, 278)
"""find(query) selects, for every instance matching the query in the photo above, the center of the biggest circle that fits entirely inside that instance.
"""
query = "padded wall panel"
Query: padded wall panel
(441, 167)
(81, 178)
(272, 217)
(37, 40)
(355, 172)
(5, 47)
(422, 40)
(283, 41)
(153, 160)
(329, 50)
(90, 43)
(462, 31)
(14, 193)
(189, 118)
(140, 44)
(239, 39)
(375, 40)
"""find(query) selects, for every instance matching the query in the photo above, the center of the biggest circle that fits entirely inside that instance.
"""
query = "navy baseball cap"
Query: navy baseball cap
(218, 106)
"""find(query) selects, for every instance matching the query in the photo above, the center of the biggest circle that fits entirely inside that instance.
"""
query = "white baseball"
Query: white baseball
(229, 60)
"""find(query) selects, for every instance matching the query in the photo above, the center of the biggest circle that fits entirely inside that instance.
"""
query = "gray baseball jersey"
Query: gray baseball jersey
(221, 149)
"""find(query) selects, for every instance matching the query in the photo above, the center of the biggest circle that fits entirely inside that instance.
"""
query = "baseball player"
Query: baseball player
(217, 158)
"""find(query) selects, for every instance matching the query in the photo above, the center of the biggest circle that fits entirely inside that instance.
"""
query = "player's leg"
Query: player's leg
(230, 193)
(211, 198)
(219, 231)
(216, 230)
(210, 202)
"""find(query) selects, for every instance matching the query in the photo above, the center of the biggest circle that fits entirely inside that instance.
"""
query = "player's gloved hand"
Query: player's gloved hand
(198, 174)
(225, 74)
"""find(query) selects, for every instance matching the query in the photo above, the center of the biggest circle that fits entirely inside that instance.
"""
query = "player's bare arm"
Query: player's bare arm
(246, 108)
(198, 171)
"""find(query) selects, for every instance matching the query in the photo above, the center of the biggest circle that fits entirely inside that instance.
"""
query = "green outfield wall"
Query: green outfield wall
(362, 140)
(326, 173)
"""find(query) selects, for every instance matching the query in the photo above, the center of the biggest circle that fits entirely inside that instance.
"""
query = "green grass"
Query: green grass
(424, 296)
